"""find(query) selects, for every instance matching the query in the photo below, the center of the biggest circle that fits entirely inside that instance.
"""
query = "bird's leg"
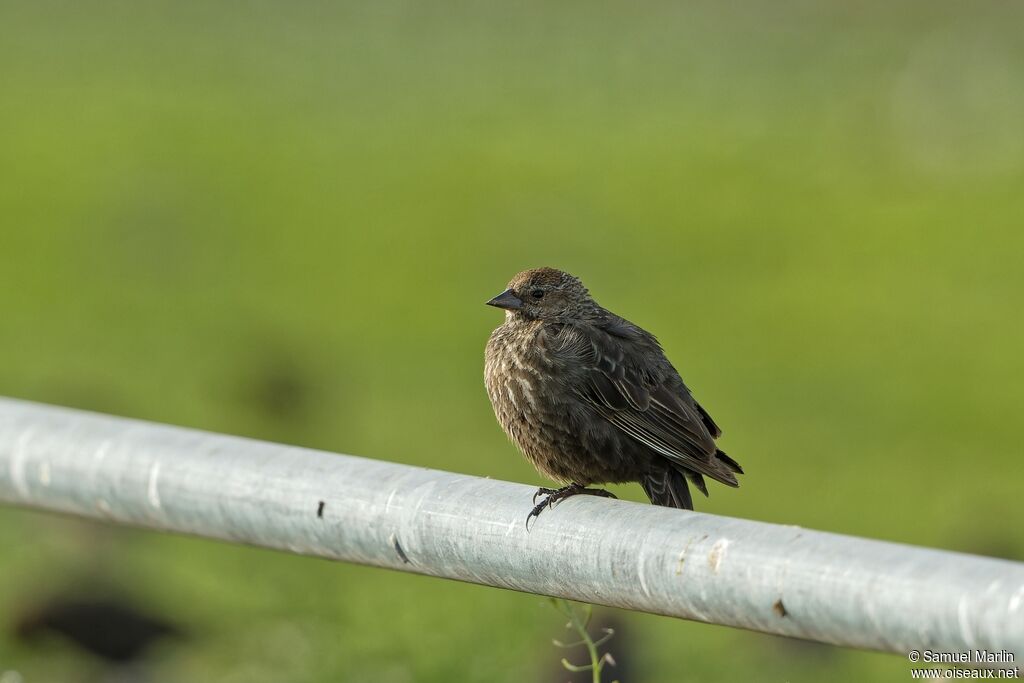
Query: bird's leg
(554, 496)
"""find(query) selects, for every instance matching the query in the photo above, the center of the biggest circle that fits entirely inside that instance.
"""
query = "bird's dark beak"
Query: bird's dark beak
(506, 300)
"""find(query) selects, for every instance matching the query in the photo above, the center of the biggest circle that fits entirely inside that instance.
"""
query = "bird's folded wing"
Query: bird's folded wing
(637, 397)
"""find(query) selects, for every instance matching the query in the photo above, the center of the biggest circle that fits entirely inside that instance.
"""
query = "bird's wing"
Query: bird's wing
(629, 382)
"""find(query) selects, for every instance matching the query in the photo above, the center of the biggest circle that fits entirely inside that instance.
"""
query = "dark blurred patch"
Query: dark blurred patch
(277, 385)
(620, 646)
(110, 628)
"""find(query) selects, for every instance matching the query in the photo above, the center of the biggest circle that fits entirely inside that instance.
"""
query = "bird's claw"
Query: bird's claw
(553, 497)
(543, 492)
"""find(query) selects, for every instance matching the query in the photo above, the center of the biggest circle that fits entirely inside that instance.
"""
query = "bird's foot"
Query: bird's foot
(554, 496)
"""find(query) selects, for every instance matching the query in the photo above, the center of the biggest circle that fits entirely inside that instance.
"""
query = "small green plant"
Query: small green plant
(579, 619)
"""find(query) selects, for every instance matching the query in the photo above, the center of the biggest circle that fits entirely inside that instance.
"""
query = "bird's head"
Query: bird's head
(544, 293)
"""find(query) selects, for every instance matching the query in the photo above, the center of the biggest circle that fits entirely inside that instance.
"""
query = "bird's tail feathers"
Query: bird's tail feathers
(728, 462)
(697, 480)
(668, 487)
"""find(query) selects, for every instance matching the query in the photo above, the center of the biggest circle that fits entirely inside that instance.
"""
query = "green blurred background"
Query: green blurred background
(282, 220)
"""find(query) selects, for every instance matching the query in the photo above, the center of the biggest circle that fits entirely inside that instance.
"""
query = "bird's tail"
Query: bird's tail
(668, 487)
(728, 462)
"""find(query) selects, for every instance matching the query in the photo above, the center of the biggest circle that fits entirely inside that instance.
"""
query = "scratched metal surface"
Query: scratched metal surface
(777, 579)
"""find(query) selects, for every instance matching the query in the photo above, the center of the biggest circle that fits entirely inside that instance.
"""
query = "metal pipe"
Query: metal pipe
(766, 577)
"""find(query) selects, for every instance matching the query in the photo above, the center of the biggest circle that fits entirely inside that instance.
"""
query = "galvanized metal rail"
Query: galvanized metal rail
(777, 579)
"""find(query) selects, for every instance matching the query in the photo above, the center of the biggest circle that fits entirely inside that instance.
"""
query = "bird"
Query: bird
(590, 398)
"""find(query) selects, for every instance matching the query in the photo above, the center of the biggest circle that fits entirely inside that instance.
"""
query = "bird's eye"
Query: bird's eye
(537, 294)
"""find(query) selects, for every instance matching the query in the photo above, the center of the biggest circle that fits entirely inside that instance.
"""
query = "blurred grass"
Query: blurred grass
(282, 221)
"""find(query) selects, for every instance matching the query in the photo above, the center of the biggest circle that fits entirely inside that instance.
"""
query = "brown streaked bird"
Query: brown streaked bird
(590, 398)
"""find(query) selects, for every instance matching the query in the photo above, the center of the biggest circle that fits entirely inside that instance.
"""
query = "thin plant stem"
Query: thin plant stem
(579, 620)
